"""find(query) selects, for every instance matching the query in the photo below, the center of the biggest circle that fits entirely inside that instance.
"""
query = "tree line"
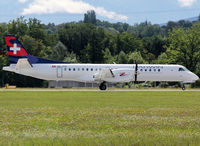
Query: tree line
(93, 41)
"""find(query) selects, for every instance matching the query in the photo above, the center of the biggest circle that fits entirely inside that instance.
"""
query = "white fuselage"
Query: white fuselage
(87, 72)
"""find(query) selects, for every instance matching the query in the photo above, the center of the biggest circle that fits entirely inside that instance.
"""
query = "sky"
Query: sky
(129, 11)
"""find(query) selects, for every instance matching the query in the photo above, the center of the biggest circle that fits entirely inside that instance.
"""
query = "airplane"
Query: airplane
(23, 63)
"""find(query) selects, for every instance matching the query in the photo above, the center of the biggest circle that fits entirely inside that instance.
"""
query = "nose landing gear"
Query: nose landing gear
(183, 87)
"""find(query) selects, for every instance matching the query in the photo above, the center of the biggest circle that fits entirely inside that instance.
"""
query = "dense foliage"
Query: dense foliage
(95, 41)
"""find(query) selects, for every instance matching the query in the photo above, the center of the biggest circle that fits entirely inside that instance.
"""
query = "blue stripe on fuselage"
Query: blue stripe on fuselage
(34, 60)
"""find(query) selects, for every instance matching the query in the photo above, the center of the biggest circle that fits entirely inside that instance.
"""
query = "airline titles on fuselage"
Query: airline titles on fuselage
(141, 68)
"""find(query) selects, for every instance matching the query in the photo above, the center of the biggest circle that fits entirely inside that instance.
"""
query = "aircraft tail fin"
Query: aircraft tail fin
(15, 49)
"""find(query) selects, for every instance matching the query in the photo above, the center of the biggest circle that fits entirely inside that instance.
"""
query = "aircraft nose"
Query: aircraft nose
(195, 77)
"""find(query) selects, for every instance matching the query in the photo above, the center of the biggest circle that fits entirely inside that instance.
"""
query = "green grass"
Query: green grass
(99, 118)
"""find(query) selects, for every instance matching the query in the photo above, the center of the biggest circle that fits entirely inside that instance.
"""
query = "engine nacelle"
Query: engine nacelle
(115, 75)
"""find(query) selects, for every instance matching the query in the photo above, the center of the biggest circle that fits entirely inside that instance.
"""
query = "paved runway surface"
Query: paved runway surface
(93, 89)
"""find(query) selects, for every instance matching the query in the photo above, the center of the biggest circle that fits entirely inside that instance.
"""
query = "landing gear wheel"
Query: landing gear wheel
(183, 88)
(102, 86)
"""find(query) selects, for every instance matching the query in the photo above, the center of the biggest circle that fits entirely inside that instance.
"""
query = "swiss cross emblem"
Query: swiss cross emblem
(15, 49)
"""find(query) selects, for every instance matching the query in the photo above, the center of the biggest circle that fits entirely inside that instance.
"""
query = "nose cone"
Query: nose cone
(195, 77)
(192, 77)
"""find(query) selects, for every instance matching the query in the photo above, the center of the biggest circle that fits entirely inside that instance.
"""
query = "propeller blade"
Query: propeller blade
(135, 78)
(136, 66)
(136, 71)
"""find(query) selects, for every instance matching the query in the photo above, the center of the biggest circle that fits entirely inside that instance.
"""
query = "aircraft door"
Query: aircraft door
(59, 72)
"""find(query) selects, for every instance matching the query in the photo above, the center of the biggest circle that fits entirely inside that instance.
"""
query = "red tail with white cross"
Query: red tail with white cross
(15, 48)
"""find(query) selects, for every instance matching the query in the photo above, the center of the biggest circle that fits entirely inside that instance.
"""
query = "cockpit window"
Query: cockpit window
(181, 69)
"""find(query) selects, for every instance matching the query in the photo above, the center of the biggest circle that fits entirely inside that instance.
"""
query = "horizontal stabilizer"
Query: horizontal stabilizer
(23, 63)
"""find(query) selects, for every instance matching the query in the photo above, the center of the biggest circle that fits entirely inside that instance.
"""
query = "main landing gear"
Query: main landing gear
(103, 86)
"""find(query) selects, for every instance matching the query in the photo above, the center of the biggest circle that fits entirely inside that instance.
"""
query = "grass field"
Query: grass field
(99, 118)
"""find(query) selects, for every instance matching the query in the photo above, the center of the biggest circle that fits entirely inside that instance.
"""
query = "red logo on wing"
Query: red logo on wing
(123, 74)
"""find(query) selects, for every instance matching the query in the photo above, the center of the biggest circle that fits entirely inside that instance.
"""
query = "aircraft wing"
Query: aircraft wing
(115, 75)
(104, 73)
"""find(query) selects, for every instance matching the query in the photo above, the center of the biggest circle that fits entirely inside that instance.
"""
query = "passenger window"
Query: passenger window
(145, 69)
(96, 69)
(91, 69)
(181, 69)
(158, 70)
(141, 69)
(74, 69)
(82, 69)
(69, 69)
(154, 70)
(78, 69)
(65, 69)
(87, 69)
(149, 69)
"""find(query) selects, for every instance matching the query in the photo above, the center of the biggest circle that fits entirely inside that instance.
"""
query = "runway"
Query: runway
(94, 89)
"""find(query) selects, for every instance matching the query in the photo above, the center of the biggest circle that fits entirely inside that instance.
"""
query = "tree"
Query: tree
(171, 25)
(122, 58)
(108, 58)
(2, 43)
(33, 46)
(71, 58)
(37, 30)
(18, 27)
(96, 46)
(59, 52)
(76, 38)
(163, 59)
(199, 18)
(136, 56)
(153, 45)
(3, 61)
(184, 46)
(90, 17)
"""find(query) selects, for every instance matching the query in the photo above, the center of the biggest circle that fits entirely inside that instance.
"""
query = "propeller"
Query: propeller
(136, 72)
